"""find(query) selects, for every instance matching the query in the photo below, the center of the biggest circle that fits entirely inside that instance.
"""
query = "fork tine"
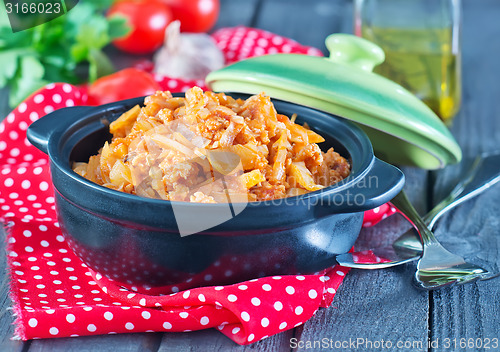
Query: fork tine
(437, 267)
(431, 280)
(433, 284)
(470, 280)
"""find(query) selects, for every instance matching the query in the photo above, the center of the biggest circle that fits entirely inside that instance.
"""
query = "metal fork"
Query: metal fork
(481, 173)
(437, 267)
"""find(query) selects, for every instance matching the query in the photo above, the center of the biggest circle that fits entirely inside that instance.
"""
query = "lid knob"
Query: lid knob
(354, 51)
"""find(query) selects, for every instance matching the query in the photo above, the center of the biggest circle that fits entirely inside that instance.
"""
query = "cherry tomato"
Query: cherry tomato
(124, 84)
(148, 20)
(195, 15)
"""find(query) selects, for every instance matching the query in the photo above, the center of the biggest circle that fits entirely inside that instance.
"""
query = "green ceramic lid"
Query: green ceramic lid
(403, 130)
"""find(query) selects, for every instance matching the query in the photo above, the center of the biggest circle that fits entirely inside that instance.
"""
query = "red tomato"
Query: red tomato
(124, 84)
(195, 15)
(148, 20)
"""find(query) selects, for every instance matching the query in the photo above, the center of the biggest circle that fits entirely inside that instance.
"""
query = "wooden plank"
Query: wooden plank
(146, 342)
(376, 305)
(369, 304)
(6, 317)
(308, 22)
(468, 311)
(212, 340)
(472, 311)
(237, 13)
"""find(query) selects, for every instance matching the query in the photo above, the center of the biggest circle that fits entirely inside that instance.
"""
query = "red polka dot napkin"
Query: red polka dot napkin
(56, 295)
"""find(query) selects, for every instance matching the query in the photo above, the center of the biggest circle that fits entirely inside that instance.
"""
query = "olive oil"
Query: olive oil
(424, 62)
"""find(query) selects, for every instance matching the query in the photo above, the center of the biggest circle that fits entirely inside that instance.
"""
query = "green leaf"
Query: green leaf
(79, 52)
(31, 68)
(94, 34)
(78, 16)
(15, 40)
(8, 64)
(57, 61)
(100, 65)
(118, 27)
(4, 19)
(50, 36)
(99, 5)
(28, 79)
(55, 73)
(66, 49)
(5, 32)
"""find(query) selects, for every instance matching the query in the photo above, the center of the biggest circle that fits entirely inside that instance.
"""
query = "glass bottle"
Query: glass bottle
(421, 41)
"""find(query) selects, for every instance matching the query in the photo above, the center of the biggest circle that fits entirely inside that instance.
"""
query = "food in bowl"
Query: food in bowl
(136, 240)
(207, 147)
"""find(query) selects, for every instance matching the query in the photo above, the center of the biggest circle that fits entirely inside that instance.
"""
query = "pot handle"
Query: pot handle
(381, 184)
(39, 132)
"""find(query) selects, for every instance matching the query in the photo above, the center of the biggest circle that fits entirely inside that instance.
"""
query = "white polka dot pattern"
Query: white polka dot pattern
(241, 43)
(59, 296)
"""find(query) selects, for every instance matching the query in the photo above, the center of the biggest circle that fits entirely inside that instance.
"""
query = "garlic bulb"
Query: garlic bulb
(187, 56)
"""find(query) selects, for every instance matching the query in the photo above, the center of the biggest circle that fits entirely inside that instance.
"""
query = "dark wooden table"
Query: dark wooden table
(371, 305)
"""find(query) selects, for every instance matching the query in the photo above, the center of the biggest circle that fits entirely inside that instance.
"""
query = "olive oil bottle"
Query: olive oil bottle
(421, 40)
(422, 61)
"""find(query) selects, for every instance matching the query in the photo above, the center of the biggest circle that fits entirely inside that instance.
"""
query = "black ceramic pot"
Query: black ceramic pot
(135, 241)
